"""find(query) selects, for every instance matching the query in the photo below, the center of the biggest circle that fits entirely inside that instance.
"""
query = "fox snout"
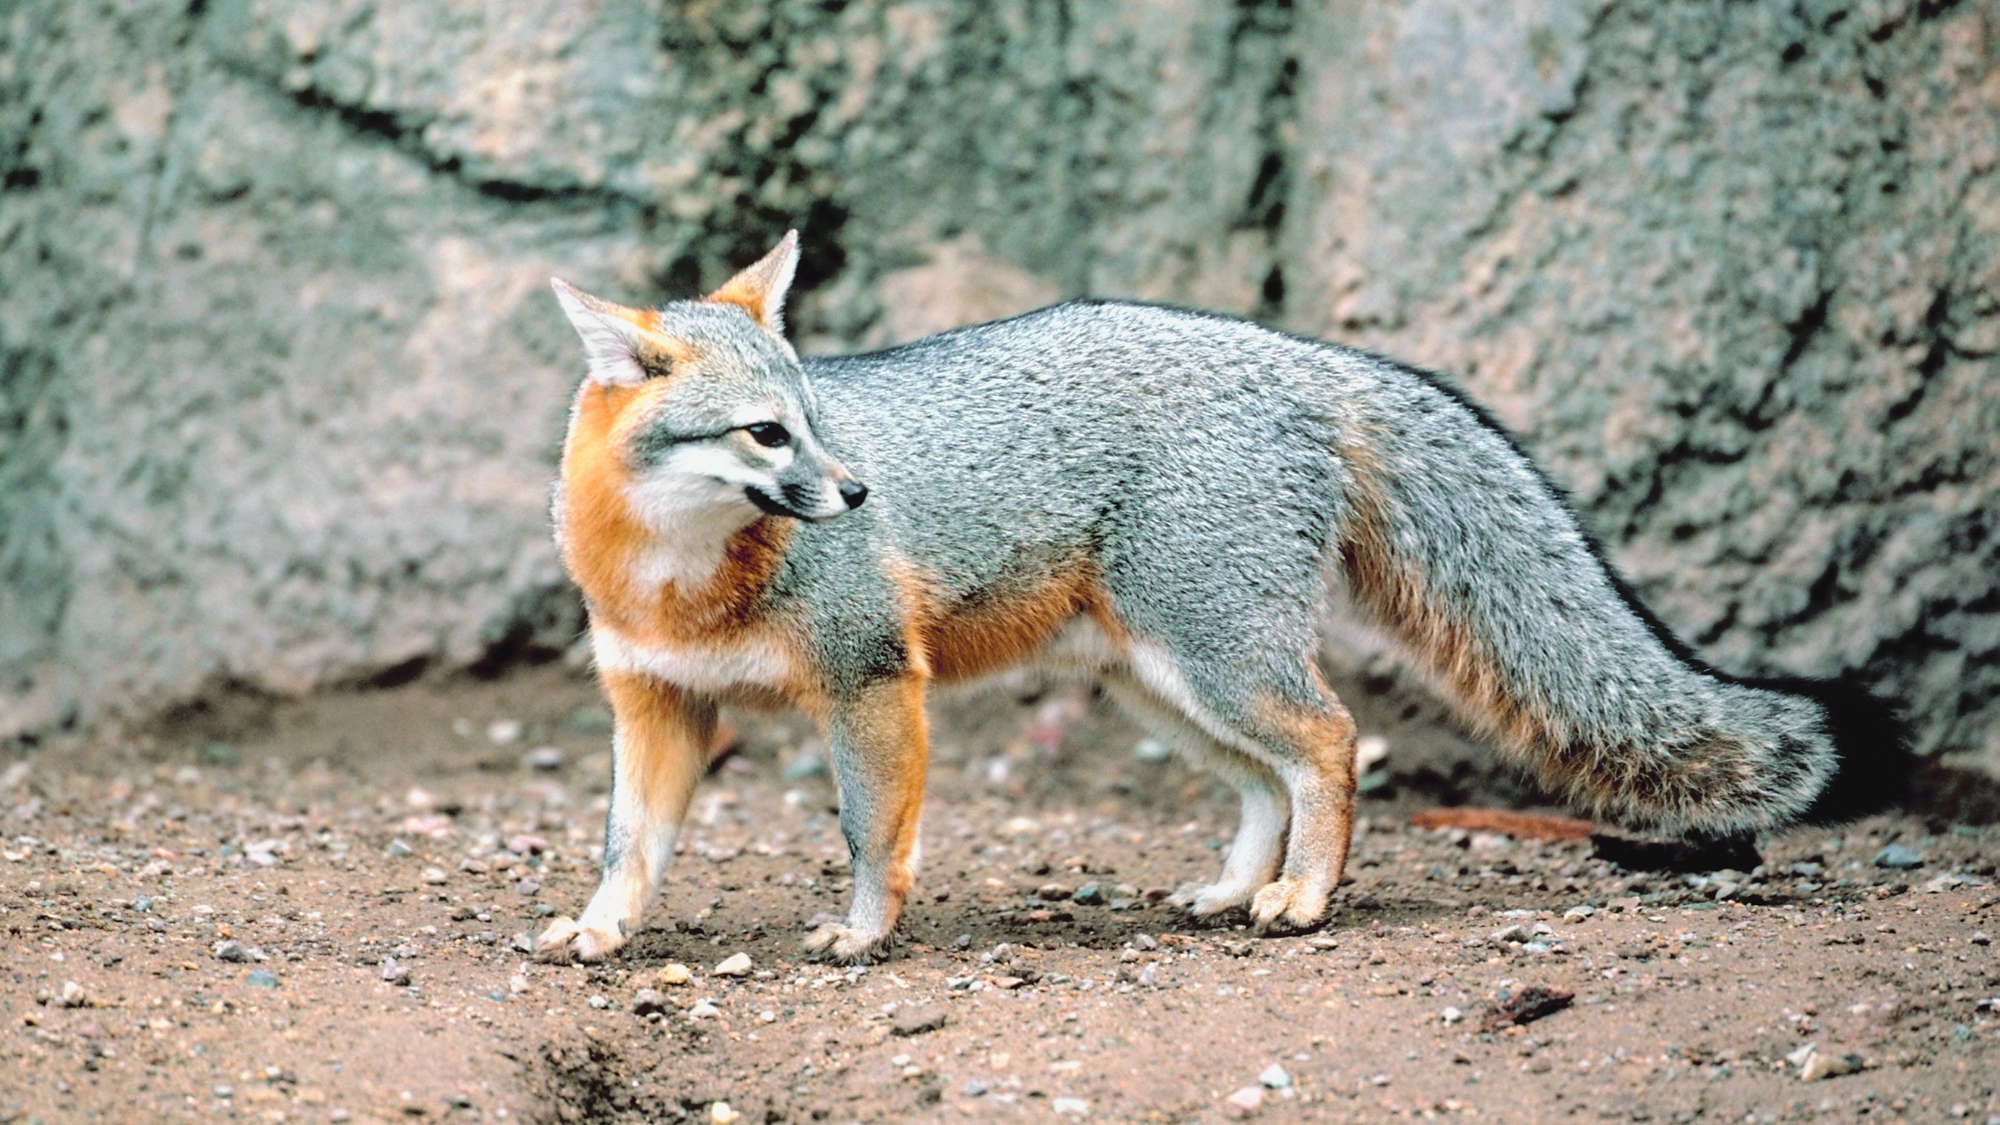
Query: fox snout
(820, 493)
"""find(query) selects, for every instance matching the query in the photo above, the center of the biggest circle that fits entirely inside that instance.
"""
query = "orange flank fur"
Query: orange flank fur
(978, 635)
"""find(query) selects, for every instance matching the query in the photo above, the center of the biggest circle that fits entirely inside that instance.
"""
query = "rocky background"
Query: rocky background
(281, 384)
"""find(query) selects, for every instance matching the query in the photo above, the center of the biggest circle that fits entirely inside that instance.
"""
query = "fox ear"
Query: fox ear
(615, 339)
(760, 290)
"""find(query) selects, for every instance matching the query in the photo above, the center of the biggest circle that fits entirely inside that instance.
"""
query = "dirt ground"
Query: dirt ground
(314, 911)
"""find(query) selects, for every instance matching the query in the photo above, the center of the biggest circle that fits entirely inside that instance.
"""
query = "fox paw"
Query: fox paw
(1206, 900)
(567, 939)
(1286, 906)
(837, 942)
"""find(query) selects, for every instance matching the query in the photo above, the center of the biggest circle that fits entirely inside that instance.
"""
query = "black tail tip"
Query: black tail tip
(1874, 765)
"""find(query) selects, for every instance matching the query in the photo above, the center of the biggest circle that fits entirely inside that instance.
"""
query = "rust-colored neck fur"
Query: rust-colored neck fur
(603, 540)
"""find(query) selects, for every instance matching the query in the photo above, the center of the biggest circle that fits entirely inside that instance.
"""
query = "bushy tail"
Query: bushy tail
(1474, 560)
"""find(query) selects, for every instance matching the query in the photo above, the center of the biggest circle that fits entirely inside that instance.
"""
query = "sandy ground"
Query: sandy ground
(198, 924)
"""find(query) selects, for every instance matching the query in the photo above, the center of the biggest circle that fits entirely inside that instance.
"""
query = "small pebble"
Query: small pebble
(73, 995)
(719, 1113)
(503, 732)
(975, 1088)
(674, 974)
(542, 758)
(1052, 892)
(734, 965)
(400, 850)
(527, 888)
(1074, 1107)
(235, 951)
(1274, 1077)
(262, 978)
(647, 1001)
(435, 876)
(1090, 894)
(1829, 1066)
(1244, 1102)
(598, 1002)
(916, 1019)
(395, 972)
(703, 1010)
(808, 764)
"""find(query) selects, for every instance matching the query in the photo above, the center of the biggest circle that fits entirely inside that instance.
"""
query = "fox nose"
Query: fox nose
(854, 492)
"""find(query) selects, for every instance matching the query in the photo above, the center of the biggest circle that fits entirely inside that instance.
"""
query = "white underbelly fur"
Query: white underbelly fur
(753, 662)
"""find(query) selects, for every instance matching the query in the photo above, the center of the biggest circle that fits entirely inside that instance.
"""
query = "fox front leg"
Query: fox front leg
(659, 749)
(880, 749)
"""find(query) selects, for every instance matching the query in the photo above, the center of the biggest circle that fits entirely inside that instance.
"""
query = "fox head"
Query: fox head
(697, 414)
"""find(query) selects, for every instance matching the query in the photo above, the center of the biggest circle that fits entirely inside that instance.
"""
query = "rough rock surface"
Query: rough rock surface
(280, 387)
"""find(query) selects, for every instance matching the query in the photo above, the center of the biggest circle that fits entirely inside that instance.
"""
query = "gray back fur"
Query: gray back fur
(1216, 471)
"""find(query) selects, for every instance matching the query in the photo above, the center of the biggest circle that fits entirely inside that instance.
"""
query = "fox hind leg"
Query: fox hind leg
(1259, 845)
(1313, 746)
(1297, 741)
(880, 750)
(660, 749)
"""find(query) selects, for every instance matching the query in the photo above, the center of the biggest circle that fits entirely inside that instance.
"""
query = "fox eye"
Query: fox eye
(769, 434)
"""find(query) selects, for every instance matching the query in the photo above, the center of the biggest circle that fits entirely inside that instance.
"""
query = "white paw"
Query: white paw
(1287, 905)
(567, 939)
(837, 942)
(1206, 900)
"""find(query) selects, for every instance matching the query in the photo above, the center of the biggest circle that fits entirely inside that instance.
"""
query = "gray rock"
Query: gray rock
(1090, 894)
(1899, 857)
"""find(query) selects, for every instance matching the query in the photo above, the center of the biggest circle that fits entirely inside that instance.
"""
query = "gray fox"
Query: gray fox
(1152, 496)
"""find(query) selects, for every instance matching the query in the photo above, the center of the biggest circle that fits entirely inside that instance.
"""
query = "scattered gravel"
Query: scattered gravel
(198, 964)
